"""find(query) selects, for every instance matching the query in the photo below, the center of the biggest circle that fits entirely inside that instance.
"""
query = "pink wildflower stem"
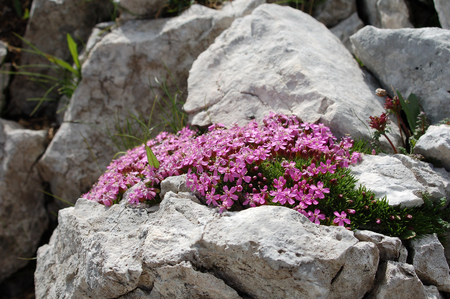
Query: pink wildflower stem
(393, 147)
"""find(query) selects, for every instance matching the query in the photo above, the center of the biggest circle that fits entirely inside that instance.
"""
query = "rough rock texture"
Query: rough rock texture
(430, 263)
(443, 10)
(412, 60)
(436, 181)
(398, 280)
(389, 247)
(346, 28)
(54, 19)
(23, 218)
(183, 249)
(3, 51)
(116, 78)
(331, 13)
(392, 14)
(97, 33)
(280, 59)
(435, 144)
(433, 292)
(387, 176)
(139, 9)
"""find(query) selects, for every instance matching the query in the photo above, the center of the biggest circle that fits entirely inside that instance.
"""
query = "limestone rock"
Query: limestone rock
(391, 14)
(357, 276)
(398, 280)
(430, 263)
(174, 184)
(433, 292)
(97, 33)
(54, 19)
(22, 211)
(282, 60)
(389, 247)
(331, 13)
(435, 181)
(185, 249)
(435, 144)
(116, 79)
(139, 9)
(346, 28)
(412, 60)
(443, 10)
(3, 51)
(387, 176)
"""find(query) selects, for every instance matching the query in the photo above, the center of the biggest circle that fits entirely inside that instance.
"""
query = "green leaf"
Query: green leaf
(62, 64)
(73, 50)
(26, 14)
(18, 8)
(411, 109)
(408, 234)
(152, 161)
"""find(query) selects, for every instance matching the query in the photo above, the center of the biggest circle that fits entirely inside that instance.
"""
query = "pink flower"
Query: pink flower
(341, 218)
(316, 216)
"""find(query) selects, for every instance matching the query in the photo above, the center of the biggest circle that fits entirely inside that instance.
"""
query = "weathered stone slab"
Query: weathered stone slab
(184, 249)
(416, 61)
(435, 144)
(283, 60)
(23, 217)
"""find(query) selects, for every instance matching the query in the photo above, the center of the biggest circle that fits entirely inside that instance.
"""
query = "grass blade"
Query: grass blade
(57, 197)
(73, 50)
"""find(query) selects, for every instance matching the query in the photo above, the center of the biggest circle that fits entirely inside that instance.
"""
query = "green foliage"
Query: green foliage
(20, 13)
(411, 108)
(67, 78)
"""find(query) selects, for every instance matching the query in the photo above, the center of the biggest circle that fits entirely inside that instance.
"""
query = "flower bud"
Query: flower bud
(378, 220)
(408, 216)
(380, 92)
(351, 211)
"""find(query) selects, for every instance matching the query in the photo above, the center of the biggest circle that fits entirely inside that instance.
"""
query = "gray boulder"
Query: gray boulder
(387, 176)
(433, 292)
(443, 10)
(139, 9)
(187, 250)
(5, 67)
(435, 181)
(430, 263)
(283, 60)
(390, 248)
(435, 144)
(346, 28)
(412, 61)
(398, 280)
(22, 210)
(392, 14)
(333, 12)
(116, 79)
(53, 19)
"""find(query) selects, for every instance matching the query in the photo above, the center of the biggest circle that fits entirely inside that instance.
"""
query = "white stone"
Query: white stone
(435, 181)
(389, 247)
(435, 144)
(23, 218)
(53, 18)
(357, 276)
(443, 10)
(116, 79)
(399, 281)
(412, 61)
(346, 28)
(391, 14)
(186, 248)
(430, 263)
(387, 176)
(331, 13)
(282, 60)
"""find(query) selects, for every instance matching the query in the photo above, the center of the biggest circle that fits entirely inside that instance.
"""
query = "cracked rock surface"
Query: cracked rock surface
(282, 60)
(182, 249)
(23, 218)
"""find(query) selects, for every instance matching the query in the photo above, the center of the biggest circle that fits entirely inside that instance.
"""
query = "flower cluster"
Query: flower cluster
(281, 162)
(379, 123)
